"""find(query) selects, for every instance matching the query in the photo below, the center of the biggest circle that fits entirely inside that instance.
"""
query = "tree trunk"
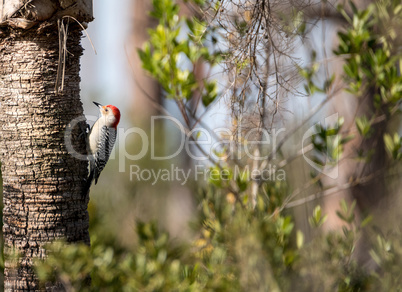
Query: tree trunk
(371, 197)
(42, 180)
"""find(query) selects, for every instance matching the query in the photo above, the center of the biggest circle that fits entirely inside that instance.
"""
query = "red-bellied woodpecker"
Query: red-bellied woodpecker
(100, 142)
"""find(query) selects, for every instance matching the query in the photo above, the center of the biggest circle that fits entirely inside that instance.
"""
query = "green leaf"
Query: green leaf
(317, 219)
(344, 206)
(363, 126)
(299, 239)
(211, 92)
(393, 145)
(389, 143)
(366, 221)
(329, 82)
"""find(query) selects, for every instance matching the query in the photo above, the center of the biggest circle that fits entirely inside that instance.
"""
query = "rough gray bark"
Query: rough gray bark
(42, 181)
(26, 14)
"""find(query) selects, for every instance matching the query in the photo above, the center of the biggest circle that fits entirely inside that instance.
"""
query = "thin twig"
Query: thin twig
(83, 28)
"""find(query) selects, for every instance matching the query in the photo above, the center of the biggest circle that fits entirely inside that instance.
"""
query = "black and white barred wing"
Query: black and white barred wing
(105, 146)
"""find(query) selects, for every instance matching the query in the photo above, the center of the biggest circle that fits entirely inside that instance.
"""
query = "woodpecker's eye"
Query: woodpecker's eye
(106, 109)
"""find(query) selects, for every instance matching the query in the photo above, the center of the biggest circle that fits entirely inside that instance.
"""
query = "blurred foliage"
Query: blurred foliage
(165, 55)
(239, 246)
(236, 249)
(371, 57)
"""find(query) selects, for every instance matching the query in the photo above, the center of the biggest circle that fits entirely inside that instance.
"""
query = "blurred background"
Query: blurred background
(114, 76)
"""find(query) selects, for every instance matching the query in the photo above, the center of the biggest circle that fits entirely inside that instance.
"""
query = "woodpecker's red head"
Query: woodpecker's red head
(111, 113)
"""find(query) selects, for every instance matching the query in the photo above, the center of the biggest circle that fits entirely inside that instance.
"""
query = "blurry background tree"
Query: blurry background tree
(148, 101)
(270, 67)
(39, 89)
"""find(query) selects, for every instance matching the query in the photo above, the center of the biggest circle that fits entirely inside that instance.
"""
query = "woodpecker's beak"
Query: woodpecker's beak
(98, 104)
